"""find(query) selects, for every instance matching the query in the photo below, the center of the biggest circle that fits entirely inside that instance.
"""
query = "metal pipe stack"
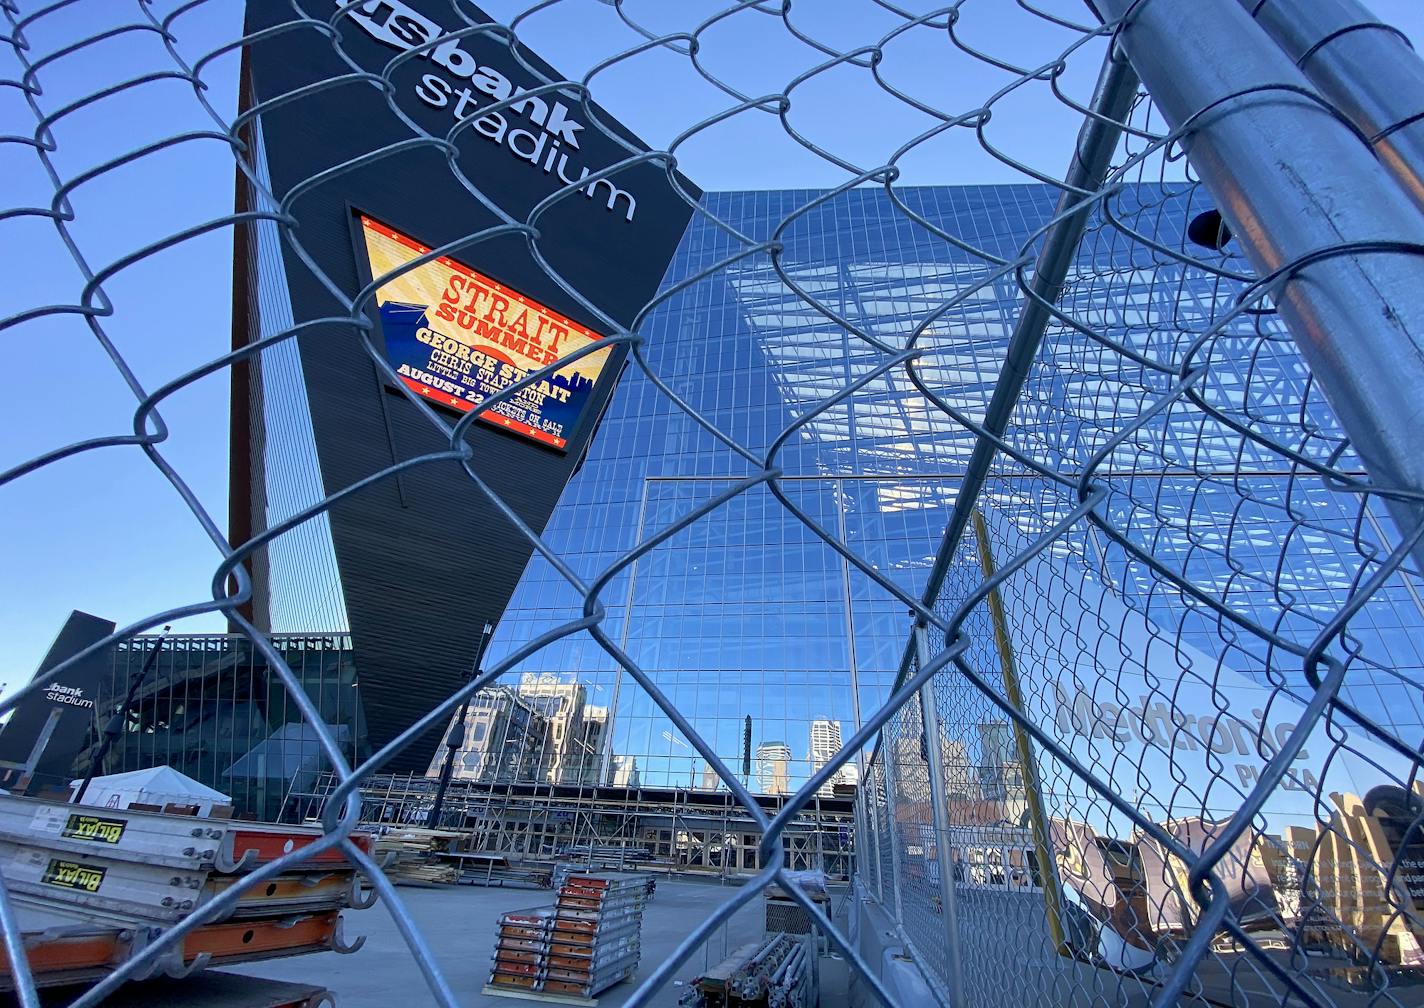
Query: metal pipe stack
(779, 972)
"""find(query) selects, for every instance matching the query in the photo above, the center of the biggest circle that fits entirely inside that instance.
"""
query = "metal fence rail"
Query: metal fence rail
(1156, 732)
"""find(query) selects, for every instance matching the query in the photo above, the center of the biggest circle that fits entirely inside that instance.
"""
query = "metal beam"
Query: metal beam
(1092, 153)
(1028, 763)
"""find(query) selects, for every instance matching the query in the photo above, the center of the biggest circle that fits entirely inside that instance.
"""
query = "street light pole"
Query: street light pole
(456, 738)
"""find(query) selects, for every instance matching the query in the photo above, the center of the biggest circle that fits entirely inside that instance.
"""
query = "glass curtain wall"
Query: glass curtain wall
(759, 632)
(213, 708)
(767, 639)
(303, 590)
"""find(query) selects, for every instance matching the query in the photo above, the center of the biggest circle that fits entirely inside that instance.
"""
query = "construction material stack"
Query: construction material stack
(415, 857)
(563, 869)
(778, 972)
(94, 887)
(210, 989)
(587, 942)
(521, 951)
(607, 856)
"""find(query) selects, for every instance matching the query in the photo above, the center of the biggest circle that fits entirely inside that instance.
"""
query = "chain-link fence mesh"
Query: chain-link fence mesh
(1193, 551)
(1174, 570)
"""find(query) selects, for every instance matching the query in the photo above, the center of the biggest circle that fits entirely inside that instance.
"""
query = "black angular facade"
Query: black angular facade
(415, 564)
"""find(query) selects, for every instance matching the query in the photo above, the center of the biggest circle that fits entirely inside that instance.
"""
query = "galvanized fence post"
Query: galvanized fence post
(1308, 199)
(939, 803)
(887, 764)
(1366, 69)
(872, 819)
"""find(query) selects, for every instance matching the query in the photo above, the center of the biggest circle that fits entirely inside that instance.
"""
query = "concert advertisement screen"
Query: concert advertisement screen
(457, 337)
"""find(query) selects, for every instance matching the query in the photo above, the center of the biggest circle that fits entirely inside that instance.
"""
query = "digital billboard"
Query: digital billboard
(458, 337)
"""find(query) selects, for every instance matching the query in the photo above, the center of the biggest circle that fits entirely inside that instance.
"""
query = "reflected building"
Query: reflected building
(825, 743)
(748, 611)
(999, 769)
(543, 730)
(624, 772)
(572, 751)
(710, 780)
(595, 728)
(772, 762)
(506, 736)
(1001, 777)
(960, 781)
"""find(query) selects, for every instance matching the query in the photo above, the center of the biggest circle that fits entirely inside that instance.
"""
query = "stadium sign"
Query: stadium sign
(468, 85)
(45, 733)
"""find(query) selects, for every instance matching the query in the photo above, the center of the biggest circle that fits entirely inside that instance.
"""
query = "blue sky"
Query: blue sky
(104, 532)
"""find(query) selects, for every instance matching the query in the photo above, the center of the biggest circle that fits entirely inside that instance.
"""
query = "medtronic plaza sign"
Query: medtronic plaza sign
(1181, 732)
(537, 129)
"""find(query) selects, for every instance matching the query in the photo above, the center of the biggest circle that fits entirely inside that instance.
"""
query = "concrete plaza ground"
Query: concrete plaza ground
(459, 923)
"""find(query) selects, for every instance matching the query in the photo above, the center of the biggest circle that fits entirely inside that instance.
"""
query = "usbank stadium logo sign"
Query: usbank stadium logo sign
(548, 141)
(72, 696)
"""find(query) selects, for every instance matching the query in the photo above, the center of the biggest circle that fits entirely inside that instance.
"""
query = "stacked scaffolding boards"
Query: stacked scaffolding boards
(564, 869)
(598, 931)
(93, 887)
(210, 989)
(569, 953)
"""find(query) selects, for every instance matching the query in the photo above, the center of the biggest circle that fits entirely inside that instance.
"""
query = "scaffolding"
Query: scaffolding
(676, 829)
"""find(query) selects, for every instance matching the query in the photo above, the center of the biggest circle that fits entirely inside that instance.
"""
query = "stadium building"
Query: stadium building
(769, 641)
(747, 614)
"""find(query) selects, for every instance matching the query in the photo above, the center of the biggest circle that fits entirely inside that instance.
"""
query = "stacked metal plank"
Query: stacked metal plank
(492, 868)
(598, 929)
(521, 950)
(564, 869)
(609, 857)
(204, 990)
(589, 940)
(93, 887)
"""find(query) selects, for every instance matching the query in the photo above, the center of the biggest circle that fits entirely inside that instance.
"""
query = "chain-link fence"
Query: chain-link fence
(1166, 746)
(1155, 735)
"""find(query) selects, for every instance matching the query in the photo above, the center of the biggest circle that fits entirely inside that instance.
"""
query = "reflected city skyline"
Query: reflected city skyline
(747, 613)
(546, 730)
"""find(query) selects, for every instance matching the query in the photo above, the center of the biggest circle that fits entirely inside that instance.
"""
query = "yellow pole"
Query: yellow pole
(1043, 848)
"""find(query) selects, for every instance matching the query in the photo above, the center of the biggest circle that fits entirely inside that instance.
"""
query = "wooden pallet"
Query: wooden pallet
(531, 995)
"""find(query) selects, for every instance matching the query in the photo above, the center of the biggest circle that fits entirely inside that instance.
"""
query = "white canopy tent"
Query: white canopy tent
(160, 785)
